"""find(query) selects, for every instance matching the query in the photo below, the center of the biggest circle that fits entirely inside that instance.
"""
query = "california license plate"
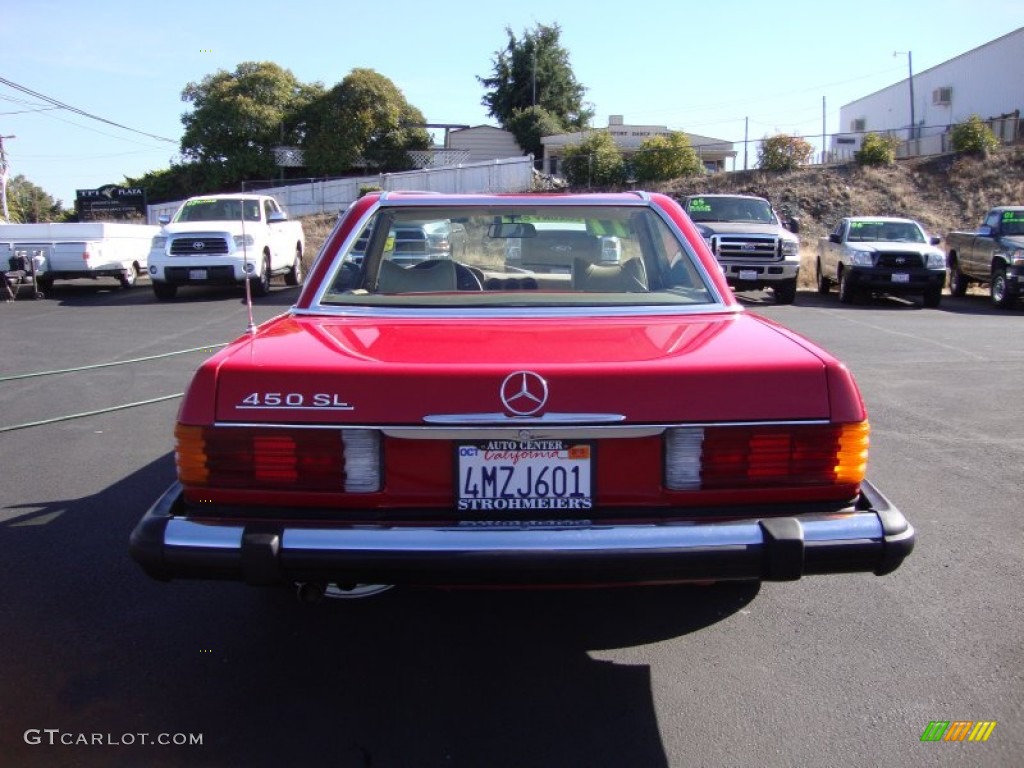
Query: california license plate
(511, 475)
(900, 277)
(197, 274)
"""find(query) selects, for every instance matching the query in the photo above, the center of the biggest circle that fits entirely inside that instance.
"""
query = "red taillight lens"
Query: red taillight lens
(278, 459)
(741, 457)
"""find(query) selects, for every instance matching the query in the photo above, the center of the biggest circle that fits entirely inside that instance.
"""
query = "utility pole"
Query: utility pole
(3, 178)
(910, 80)
(746, 131)
(824, 150)
(534, 102)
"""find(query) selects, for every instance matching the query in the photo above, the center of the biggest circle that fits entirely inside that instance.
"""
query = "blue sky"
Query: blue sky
(704, 68)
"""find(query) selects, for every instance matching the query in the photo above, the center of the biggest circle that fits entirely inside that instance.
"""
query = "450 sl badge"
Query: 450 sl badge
(298, 401)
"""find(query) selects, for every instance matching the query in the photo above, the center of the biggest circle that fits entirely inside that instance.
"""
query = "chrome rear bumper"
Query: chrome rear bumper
(874, 537)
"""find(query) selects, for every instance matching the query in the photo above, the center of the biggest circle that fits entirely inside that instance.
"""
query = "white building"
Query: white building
(484, 142)
(628, 138)
(985, 81)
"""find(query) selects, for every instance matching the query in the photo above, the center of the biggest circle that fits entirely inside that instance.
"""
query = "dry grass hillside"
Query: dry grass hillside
(943, 192)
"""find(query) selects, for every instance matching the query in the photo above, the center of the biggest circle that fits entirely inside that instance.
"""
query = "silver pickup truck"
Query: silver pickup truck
(753, 245)
(992, 254)
(881, 254)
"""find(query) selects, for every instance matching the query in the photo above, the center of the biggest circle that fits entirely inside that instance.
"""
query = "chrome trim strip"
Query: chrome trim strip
(614, 538)
(504, 418)
(536, 432)
(466, 312)
(597, 537)
(184, 533)
(858, 527)
(512, 427)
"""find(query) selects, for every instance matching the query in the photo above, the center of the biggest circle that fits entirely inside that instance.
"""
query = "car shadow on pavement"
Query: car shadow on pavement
(961, 305)
(411, 677)
(100, 294)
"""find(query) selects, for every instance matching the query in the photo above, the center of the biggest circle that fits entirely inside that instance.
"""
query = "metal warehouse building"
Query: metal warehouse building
(923, 108)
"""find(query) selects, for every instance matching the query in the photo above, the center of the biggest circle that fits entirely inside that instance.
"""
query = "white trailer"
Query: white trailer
(88, 249)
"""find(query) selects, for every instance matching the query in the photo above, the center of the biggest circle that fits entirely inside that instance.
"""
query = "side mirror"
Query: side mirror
(164, 218)
(834, 238)
(986, 231)
(935, 240)
(277, 216)
(793, 224)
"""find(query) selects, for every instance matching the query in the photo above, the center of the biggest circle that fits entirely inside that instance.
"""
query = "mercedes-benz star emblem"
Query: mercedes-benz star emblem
(198, 245)
(524, 393)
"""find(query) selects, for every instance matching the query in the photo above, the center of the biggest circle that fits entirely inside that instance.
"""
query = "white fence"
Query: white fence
(514, 174)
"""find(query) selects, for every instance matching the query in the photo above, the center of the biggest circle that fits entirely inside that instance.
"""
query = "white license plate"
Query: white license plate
(509, 475)
(900, 277)
(748, 274)
(197, 274)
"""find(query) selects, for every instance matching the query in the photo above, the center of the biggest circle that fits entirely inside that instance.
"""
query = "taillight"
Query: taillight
(279, 459)
(743, 457)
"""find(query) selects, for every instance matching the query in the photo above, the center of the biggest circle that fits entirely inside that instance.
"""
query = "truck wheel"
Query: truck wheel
(164, 291)
(1001, 296)
(785, 292)
(932, 297)
(824, 286)
(294, 275)
(847, 293)
(958, 281)
(129, 277)
(260, 285)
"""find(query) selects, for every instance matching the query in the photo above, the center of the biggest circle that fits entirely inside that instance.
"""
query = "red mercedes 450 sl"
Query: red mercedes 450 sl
(515, 390)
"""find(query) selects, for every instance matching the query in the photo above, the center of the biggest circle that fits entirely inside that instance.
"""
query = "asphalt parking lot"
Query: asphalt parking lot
(836, 670)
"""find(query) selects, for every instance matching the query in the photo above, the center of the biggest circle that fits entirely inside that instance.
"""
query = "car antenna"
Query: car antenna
(251, 327)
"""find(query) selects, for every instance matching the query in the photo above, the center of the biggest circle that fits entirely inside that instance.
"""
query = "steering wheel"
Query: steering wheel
(469, 278)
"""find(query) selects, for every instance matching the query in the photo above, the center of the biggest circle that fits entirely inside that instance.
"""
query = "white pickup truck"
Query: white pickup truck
(68, 251)
(223, 240)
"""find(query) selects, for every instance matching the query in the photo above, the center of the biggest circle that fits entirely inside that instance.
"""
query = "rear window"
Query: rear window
(517, 256)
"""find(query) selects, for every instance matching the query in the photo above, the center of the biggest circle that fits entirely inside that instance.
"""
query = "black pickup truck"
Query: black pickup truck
(993, 254)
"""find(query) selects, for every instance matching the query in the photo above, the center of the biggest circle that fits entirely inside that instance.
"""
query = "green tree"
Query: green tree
(783, 152)
(238, 117)
(535, 72)
(661, 158)
(174, 183)
(530, 125)
(29, 204)
(363, 122)
(974, 137)
(876, 150)
(594, 162)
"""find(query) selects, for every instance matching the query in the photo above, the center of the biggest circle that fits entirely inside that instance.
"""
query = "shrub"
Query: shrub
(783, 153)
(877, 150)
(661, 158)
(974, 137)
(594, 162)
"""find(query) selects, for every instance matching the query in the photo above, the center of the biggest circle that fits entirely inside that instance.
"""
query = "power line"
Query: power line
(77, 111)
